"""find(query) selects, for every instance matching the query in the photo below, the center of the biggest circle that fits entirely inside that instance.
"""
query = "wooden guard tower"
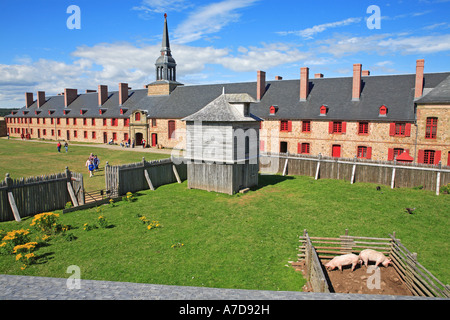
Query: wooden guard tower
(222, 145)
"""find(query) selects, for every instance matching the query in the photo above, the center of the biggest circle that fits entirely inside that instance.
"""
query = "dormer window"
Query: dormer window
(273, 110)
(323, 110)
(383, 111)
(137, 116)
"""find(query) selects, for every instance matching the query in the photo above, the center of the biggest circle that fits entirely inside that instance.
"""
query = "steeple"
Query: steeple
(165, 64)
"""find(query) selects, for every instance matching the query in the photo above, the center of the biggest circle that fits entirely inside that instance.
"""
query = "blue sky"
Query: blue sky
(212, 41)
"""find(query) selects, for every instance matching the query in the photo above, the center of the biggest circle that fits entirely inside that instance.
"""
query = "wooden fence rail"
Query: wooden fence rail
(32, 195)
(143, 175)
(391, 173)
(416, 277)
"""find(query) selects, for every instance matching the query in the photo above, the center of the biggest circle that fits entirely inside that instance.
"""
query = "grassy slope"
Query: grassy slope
(241, 241)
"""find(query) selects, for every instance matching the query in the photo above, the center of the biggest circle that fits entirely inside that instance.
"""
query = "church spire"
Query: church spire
(165, 64)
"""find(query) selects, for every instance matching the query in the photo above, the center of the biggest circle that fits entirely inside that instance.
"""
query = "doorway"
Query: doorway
(283, 147)
(139, 137)
(154, 139)
(105, 137)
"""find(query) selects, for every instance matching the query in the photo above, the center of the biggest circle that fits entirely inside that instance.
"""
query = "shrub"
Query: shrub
(13, 239)
(102, 222)
(24, 253)
(129, 197)
(47, 223)
(445, 189)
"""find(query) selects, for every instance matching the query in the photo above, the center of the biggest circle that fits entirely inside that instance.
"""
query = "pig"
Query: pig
(343, 260)
(372, 255)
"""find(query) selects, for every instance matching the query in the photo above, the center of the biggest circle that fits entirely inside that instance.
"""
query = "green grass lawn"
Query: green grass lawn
(241, 241)
(27, 158)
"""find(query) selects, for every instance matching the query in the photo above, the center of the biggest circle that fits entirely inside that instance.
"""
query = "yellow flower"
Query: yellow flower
(18, 257)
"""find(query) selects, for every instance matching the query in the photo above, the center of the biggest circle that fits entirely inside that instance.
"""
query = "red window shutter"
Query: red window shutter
(299, 148)
(369, 153)
(448, 159)
(261, 145)
(421, 156)
(289, 126)
(330, 127)
(344, 127)
(437, 156)
(392, 129)
(408, 130)
(390, 154)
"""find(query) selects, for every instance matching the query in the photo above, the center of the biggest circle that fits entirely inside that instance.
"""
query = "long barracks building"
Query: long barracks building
(403, 117)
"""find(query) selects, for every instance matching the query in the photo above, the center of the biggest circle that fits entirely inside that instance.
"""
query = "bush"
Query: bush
(47, 223)
(24, 253)
(12, 239)
(445, 189)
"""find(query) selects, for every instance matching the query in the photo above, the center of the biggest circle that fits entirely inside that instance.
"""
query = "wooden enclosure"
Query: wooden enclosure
(415, 276)
(390, 173)
(143, 175)
(29, 196)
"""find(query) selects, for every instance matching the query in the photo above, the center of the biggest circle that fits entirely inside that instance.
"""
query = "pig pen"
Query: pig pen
(405, 276)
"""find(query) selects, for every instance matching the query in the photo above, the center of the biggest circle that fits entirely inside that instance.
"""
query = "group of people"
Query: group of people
(92, 164)
(59, 145)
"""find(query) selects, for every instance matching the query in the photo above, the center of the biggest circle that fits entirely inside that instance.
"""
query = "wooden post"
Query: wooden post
(70, 188)
(174, 168)
(353, 171)
(11, 200)
(393, 175)
(285, 167)
(438, 179)
(147, 177)
(318, 166)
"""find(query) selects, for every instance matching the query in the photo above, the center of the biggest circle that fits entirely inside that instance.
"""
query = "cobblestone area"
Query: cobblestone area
(40, 288)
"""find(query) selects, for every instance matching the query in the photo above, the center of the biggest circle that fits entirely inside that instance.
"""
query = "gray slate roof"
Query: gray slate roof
(395, 92)
(440, 94)
(222, 110)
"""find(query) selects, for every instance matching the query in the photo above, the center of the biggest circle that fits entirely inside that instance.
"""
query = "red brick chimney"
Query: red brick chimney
(102, 94)
(304, 83)
(260, 85)
(40, 98)
(278, 78)
(123, 93)
(365, 73)
(69, 96)
(420, 66)
(357, 71)
(28, 99)
(318, 75)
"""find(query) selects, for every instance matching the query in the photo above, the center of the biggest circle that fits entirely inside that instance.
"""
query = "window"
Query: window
(323, 111)
(286, 126)
(431, 128)
(137, 116)
(306, 126)
(84, 122)
(393, 153)
(53, 132)
(85, 134)
(114, 122)
(125, 136)
(153, 123)
(363, 128)
(337, 127)
(74, 121)
(429, 156)
(93, 121)
(75, 134)
(104, 122)
(37, 120)
(272, 110)
(400, 129)
(58, 121)
(126, 122)
(364, 152)
(114, 136)
(283, 147)
(44, 132)
(67, 121)
(94, 135)
(303, 148)
(171, 126)
(383, 111)
(43, 121)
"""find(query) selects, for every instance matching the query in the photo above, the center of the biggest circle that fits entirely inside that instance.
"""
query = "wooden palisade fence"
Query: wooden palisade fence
(391, 173)
(143, 175)
(29, 196)
(417, 279)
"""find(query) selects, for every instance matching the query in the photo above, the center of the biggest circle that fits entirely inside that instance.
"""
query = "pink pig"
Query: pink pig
(372, 255)
(343, 260)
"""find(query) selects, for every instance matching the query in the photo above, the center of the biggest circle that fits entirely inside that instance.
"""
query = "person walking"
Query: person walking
(58, 146)
(66, 145)
(91, 168)
(96, 162)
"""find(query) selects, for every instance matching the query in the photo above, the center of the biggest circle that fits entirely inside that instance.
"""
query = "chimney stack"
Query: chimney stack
(123, 93)
(420, 66)
(365, 73)
(69, 96)
(40, 98)
(278, 78)
(260, 85)
(318, 75)
(304, 83)
(356, 92)
(28, 99)
(102, 94)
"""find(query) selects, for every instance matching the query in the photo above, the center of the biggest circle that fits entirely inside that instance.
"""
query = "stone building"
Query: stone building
(371, 117)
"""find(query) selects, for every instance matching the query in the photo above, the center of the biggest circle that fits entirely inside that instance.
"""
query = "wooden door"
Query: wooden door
(336, 151)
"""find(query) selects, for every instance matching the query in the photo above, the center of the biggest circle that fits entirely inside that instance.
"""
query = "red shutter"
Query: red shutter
(369, 153)
(448, 159)
(421, 156)
(261, 145)
(390, 154)
(289, 126)
(299, 148)
(408, 130)
(330, 127)
(392, 129)
(437, 157)
(344, 127)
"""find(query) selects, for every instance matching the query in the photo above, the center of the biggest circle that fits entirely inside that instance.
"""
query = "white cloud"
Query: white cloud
(209, 19)
(149, 7)
(310, 32)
